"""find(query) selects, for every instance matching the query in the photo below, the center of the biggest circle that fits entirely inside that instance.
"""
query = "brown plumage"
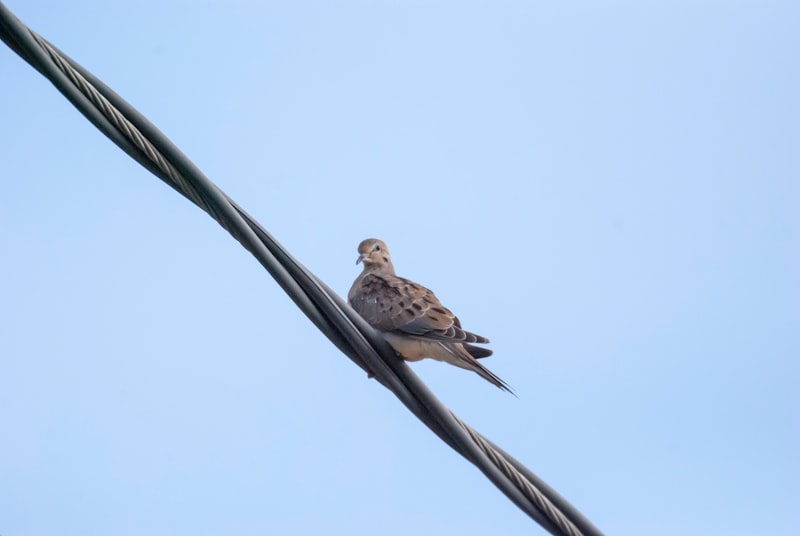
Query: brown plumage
(413, 320)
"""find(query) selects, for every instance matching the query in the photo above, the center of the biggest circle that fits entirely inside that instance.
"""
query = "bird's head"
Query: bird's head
(374, 254)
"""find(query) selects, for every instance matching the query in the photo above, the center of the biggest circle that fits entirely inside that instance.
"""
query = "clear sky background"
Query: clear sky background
(607, 190)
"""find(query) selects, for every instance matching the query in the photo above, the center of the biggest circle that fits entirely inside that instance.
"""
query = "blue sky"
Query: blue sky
(607, 190)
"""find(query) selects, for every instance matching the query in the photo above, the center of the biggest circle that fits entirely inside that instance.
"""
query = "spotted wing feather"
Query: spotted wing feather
(397, 304)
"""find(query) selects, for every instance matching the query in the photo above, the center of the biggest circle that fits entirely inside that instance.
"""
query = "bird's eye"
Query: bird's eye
(377, 247)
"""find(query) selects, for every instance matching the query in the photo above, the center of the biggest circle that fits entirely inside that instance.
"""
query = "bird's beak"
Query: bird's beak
(361, 258)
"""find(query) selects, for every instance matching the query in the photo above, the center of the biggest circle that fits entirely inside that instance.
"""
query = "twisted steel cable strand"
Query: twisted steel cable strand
(348, 331)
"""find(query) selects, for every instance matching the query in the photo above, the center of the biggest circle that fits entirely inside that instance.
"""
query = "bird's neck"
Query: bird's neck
(384, 268)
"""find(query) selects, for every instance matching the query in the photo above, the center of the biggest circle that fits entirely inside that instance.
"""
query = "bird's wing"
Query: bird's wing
(391, 303)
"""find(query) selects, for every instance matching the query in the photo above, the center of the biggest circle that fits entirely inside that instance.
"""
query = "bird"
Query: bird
(411, 318)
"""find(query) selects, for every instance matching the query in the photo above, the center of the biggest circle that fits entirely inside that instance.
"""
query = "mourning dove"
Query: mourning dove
(410, 316)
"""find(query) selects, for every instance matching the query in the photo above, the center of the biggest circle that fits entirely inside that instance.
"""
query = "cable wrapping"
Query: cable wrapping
(135, 135)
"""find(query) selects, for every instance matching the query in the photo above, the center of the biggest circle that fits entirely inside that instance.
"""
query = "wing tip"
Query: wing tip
(477, 352)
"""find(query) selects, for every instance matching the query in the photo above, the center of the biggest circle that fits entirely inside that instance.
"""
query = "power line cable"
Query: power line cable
(140, 139)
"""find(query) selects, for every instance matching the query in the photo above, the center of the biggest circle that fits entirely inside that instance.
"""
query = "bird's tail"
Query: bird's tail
(490, 376)
(466, 359)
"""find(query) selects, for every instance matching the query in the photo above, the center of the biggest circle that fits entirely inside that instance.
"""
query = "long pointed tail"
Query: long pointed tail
(464, 358)
(491, 377)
